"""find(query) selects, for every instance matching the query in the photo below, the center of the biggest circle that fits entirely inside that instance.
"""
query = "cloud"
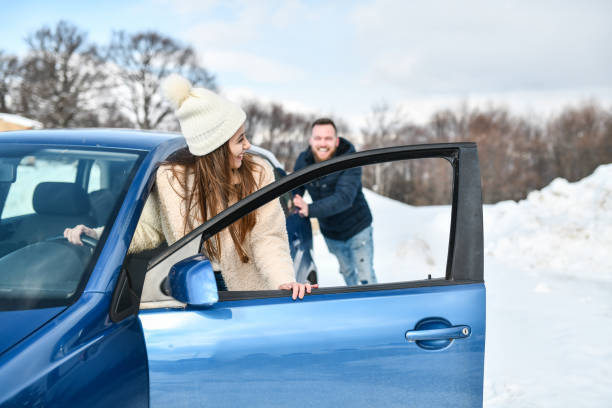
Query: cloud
(485, 46)
(342, 57)
(237, 25)
(253, 67)
(231, 32)
(241, 95)
(243, 41)
(536, 103)
(188, 6)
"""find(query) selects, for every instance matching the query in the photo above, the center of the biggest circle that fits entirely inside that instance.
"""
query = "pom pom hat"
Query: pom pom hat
(207, 120)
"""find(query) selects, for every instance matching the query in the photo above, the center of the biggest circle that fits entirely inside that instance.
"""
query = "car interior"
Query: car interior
(40, 203)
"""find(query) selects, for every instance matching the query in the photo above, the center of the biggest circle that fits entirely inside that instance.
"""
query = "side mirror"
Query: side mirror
(192, 281)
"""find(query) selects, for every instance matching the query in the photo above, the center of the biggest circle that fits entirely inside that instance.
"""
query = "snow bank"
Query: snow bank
(21, 121)
(548, 273)
(565, 228)
(410, 243)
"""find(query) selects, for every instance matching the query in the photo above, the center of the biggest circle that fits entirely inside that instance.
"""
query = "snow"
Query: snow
(548, 273)
(566, 228)
(403, 235)
(20, 120)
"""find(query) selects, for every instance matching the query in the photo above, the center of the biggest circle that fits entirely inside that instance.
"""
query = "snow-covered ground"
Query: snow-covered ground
(410, 243)
(548, 273)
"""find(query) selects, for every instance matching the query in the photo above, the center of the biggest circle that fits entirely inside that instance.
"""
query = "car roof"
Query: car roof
(108, 138)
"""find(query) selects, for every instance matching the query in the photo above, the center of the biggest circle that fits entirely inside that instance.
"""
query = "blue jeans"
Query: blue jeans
(355, 256)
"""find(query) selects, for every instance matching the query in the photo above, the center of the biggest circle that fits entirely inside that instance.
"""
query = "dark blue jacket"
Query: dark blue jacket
(337, 199)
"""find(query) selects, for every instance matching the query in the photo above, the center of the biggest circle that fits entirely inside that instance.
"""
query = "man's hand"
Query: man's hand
(299, 202)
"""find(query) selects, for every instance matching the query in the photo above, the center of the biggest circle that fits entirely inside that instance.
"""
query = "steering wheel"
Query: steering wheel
(89, 241)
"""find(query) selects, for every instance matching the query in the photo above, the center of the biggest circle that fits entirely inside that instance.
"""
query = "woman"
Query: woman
(196, 184)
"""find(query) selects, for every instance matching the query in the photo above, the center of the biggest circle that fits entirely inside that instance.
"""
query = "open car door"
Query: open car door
(413, 342)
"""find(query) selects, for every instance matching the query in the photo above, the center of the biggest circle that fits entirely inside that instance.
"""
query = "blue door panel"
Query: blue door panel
(323, 351)
(16, 324)
(80, 358)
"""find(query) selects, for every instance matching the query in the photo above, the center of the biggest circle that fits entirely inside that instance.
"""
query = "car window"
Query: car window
(409, 205)
(152, 296)
(376, 224)
(37, 265)
(410, 202)
(31, 171)
(95, 175)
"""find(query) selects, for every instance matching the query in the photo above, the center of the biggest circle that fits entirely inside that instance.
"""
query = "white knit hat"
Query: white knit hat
(207, 119)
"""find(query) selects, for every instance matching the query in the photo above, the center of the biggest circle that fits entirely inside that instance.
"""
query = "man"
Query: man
(339, 205)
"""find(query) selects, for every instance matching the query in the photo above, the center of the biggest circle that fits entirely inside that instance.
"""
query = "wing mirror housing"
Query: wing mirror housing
(192, 281)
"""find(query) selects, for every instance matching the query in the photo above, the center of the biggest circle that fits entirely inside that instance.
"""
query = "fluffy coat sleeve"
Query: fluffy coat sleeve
(269, 239)
(162, 218)
(172, 205)
(148, 233)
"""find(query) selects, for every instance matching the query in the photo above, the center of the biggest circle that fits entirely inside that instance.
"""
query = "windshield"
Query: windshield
(43, 191)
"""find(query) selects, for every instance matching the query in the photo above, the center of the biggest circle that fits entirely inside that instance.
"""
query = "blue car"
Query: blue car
(93, 326)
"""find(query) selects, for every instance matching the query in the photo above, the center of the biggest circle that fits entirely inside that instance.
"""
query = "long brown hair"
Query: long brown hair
(215, 187)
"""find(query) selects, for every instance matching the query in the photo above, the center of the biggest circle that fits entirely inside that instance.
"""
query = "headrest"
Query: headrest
(60, 199)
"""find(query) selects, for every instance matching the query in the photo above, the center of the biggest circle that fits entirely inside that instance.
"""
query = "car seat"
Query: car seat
(102, 202)
(57, 206)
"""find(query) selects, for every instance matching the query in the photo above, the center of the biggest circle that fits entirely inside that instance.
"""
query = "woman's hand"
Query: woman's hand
(298, 289)
(73, 235)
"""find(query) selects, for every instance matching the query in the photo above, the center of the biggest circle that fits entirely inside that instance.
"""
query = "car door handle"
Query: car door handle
(447, 333)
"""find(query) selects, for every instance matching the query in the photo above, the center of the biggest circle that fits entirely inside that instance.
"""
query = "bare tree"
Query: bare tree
(282, 132)
(581, 139)
(381, 126)
(60, 78)
(380, 130)
(9, 70)
(256, 120)
(144, 59)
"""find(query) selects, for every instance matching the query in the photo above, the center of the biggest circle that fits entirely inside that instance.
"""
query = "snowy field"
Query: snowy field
(548, 273)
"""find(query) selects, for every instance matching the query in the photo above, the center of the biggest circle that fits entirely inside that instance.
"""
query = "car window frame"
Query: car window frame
(465, 257)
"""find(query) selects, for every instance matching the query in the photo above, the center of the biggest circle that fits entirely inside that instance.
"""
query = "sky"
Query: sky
(343, 57)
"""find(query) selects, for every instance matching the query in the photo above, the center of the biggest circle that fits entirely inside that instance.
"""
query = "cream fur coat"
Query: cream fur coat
(267, 246)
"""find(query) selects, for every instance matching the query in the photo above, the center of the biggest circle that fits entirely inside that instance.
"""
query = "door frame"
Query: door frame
(465, 260)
